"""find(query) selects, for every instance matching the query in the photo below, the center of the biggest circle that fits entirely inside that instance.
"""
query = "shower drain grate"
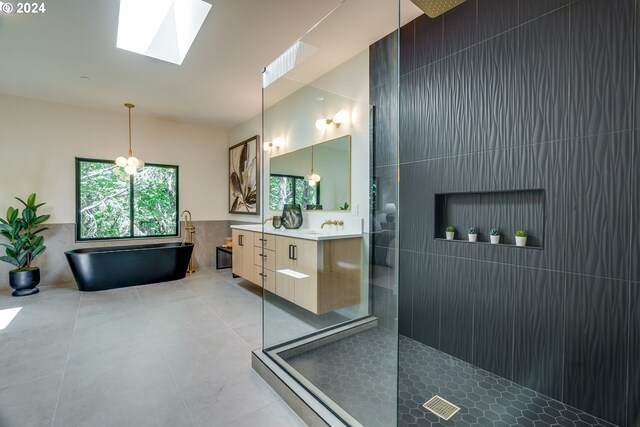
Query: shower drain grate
(441, 407)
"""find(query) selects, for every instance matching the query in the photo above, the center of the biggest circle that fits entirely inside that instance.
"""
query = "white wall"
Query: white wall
(39, 141)
(345, 87)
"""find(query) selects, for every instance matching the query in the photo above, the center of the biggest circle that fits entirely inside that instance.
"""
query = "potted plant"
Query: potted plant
(473, 234)
(451, 231)
(521, 238)
(24, 245)
(494, 235)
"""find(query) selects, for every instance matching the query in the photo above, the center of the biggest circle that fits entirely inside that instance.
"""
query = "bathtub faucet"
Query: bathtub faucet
(189, 231)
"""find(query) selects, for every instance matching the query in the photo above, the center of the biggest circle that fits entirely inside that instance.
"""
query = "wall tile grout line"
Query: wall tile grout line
(66, 364)
(551, 270)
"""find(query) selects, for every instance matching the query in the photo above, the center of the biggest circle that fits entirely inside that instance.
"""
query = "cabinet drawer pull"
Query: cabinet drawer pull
(263, 275)
(295, 252)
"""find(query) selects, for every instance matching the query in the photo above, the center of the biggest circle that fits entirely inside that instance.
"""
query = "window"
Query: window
(287, 189)
(113, 205)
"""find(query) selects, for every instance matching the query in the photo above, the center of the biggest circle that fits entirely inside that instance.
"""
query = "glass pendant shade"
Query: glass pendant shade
(121, 161)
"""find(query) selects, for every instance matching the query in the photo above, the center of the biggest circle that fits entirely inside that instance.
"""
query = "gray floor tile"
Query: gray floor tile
(128, 390)
(277, 414)
(212, 404)
(34, 353)
(173, 354)
(29, 404)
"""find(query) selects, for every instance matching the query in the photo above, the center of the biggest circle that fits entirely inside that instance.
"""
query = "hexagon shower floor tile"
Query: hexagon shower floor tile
(358, 373)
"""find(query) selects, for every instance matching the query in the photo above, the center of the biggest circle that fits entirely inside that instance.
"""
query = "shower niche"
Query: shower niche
(509, 210)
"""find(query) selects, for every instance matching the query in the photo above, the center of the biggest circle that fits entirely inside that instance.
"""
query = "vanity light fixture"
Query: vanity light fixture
(313, 178)
(276, 144)
(130, 164)
(336, 120)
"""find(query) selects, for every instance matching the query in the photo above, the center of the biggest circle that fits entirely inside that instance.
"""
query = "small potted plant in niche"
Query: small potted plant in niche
(451, 232)
(473, 234)
(24, 245)
(494, 235)
(521, 238)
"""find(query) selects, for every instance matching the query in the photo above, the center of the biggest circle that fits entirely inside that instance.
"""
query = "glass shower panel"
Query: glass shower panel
(330, 129)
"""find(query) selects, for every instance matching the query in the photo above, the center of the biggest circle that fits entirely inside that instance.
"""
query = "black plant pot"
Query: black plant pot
(24, 282)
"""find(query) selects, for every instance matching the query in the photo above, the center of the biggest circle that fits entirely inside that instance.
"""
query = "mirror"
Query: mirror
(290, 175)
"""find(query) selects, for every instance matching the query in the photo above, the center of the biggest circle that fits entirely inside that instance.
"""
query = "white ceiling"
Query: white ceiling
(219, 83)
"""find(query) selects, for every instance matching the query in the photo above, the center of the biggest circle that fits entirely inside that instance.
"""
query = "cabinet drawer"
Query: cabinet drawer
(268, 241)
(269, 279)
(269, 258)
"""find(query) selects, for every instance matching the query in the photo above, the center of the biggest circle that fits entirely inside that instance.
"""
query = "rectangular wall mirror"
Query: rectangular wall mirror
(290, 172)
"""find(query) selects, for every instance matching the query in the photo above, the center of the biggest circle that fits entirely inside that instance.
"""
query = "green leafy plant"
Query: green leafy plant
(472, 230)
(344, 207)
(521, 233)
(496, 231)
(451, 229)
(22, 233)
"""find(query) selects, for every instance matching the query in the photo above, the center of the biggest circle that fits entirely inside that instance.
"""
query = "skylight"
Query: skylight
(161, 29)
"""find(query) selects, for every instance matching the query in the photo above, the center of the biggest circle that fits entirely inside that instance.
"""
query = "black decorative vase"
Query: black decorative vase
(24, 282)
(292, 216)
(276, 222)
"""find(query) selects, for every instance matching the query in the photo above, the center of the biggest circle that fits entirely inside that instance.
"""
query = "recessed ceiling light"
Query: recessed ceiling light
(85, 78)
(161, 29)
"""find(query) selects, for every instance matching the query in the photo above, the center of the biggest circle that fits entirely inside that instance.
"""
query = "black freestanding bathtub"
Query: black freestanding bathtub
(97, 269)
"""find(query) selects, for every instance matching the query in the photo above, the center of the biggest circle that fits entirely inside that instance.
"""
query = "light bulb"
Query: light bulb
(266, 146)
(315, 177)
(312, 183)
(131, 170)
(140, 164)
(121, 161)
(321, 124)
(278, 142)
(340, 117)
(132, 161)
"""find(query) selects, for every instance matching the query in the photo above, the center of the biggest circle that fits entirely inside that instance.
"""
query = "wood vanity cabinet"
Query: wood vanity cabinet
(320, 276)
(242, 254)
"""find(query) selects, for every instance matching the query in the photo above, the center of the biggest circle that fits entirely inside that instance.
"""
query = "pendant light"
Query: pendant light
(130, 164)
(313, 178)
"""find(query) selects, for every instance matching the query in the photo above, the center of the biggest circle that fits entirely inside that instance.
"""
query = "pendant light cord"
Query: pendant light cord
(130, 152)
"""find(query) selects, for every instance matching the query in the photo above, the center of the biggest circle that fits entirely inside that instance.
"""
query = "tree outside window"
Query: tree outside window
(287, 189)
(113, 205)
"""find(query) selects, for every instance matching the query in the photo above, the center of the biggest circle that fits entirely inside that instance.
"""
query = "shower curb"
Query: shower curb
(303, 403)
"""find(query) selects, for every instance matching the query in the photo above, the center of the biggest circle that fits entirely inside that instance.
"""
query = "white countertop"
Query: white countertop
(328, 233)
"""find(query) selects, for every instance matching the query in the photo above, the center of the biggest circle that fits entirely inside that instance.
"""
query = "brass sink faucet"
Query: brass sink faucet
(332, 222)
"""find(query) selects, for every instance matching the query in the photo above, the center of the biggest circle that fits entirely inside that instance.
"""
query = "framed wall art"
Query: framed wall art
(244, 177)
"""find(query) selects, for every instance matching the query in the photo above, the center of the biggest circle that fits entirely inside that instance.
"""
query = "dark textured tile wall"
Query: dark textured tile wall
(538, 306)
(595, 347)
(633, 402)
(498, 95)
(599, 205)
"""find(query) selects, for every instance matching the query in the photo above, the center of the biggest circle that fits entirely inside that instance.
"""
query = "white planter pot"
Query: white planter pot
(450, 235)
(495, 240)
(521, 241)
(473, 237)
